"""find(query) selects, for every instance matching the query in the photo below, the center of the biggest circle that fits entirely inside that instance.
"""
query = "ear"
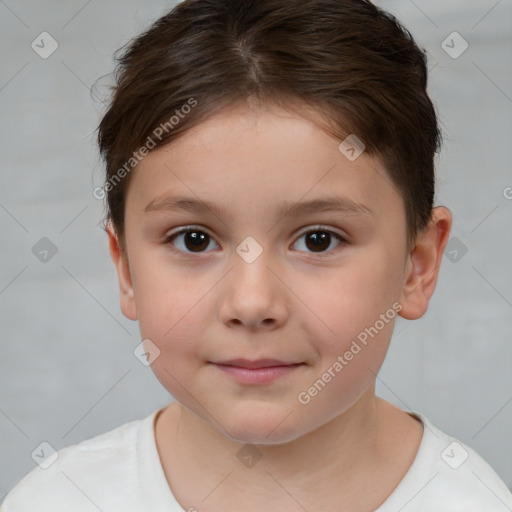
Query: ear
(120, 259)
(423, 264)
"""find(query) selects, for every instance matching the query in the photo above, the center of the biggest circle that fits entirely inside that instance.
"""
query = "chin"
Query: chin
(258, 428)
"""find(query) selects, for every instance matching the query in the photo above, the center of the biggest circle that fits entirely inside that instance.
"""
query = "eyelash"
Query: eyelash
(319, 228)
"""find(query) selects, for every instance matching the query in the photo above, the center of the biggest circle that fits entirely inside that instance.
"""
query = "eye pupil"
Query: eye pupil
(319, 239)
(197, 239)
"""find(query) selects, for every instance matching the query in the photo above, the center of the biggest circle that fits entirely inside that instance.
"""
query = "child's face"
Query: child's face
(202, 301)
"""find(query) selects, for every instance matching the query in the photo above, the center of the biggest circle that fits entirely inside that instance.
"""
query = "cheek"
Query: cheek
(350, 322)
(347, 300)
(172, 311)
(167, 295)
(173, 317)
(359, 349)
(346, 370)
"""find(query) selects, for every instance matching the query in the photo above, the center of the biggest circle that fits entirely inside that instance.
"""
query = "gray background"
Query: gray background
(67, 369)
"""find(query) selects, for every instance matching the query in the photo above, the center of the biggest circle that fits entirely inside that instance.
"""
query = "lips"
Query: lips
(258, 371)
(255, 364)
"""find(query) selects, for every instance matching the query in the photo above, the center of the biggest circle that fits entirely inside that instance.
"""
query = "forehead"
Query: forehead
(259, 158)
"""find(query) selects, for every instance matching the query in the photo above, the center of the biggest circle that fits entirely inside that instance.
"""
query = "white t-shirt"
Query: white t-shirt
(120, 471)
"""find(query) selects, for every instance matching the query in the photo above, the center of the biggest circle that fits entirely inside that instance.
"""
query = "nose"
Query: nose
(253, 295)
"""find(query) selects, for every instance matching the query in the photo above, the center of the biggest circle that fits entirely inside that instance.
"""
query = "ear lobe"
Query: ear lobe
(120, 259)
(423, 264)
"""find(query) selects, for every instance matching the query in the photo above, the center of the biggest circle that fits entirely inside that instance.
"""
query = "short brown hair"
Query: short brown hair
(351, 61)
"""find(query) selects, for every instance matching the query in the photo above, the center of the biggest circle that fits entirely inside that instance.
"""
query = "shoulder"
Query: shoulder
(83, 476)
(447, 474)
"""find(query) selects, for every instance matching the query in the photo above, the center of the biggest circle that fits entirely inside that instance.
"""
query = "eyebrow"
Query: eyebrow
(322, 204)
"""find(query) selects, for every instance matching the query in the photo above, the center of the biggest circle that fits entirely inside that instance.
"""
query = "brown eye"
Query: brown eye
(319, 240)
(190, 241)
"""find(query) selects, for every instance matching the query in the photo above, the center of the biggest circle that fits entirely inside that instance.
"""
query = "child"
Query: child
(270, 186)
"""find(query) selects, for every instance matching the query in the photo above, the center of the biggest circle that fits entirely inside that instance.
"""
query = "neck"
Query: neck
(341, 454)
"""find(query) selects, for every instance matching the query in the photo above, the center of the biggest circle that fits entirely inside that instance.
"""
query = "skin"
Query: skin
(344, 450)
